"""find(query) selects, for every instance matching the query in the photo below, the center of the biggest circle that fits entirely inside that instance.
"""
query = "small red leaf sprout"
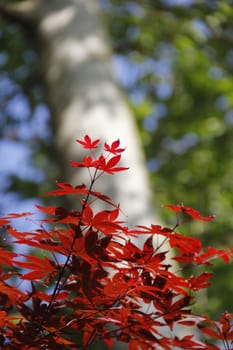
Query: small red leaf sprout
(88, 143)
(114, 147)
(102, 163)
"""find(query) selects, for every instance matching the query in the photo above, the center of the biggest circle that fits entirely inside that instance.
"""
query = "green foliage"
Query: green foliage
(22, 100)
(183, 60)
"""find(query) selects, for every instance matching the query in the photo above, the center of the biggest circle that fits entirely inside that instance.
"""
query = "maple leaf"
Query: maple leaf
(109, 166)
(66, 188)
(189, 211)
(187, 342)
(213, 253)
(12, 293)
(187, 246)
(88, 143)
(221, 329)
(200, 282)
(210, 332)
(6, 257)
(3, 222)
(153, 229)
(134, 345)
(50, 209)
(47, 297)
(88, 162)
(18, 215)
(79, 250)
(114, 147)
(103, 221)
(104, 198)
(40, 267)
(118, 286)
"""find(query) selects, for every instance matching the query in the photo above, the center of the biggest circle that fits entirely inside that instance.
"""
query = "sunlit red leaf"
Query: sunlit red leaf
(109, 319)
(109, 166)
(186, 245)
(116, 288)
(103, 221)
(210, 332)
(213, 253)
(41, 267)
(63, 341)
(12, 293)
(200, 282)
(225, 324)
(104, 198)
(50, 209)
(6, 257)
(88, 143)
(153, 229)
(190, 320)
(79, 250)
(18, 215)
(88, 162)
(187, 342)
(189, 211)
(114, 147)
(221, 329)
(134, 345)
(212, 347)
(109, 342)
(4, 221)
(47, 297)
(66, 188)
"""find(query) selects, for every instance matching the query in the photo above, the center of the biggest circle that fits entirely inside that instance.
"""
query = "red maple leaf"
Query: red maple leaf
(114, 147)
(40, 267)
(189, 211)
(88, 143)
(109, 167)
(104, 221)
(6, 257)
(200, 282)
(221, 329)
(66, 188)
(87, 162)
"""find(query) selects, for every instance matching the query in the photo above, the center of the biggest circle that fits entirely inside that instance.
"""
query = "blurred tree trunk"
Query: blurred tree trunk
(84, 99)
(83, 96)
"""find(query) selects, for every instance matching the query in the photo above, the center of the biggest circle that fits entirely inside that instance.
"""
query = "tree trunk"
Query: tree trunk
(83, 96)
(84, 99)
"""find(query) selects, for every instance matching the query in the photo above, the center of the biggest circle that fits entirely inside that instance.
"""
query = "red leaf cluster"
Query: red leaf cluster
(89, 281)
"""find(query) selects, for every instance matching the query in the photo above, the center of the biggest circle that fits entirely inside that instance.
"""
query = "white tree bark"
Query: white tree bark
(85, 99)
